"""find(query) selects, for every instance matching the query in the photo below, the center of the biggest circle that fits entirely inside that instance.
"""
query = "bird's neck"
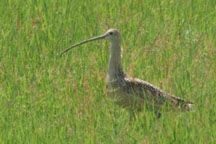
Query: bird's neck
(115, 70)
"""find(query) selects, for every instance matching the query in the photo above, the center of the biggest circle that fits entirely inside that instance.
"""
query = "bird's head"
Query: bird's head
(112, 35)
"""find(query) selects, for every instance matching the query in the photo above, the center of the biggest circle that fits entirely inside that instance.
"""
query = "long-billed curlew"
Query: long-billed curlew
(128, 92)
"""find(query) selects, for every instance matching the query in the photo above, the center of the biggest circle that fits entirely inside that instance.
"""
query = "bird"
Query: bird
(128, 92)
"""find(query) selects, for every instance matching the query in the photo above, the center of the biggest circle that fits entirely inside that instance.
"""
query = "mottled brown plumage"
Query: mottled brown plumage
(132, 93)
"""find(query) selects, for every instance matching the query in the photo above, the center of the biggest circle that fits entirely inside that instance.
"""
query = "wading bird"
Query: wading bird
(132, 93)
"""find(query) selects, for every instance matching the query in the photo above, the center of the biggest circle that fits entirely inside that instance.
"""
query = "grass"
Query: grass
(50, 99)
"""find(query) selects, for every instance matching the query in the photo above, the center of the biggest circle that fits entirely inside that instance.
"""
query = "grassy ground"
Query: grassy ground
(50, 99)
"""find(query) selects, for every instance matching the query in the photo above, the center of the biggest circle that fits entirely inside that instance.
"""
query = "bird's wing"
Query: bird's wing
(147, 91)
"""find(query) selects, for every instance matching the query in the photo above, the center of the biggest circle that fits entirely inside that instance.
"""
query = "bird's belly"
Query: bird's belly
(124, 99)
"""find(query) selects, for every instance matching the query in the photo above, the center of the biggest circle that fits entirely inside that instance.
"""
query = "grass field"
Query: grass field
(50, 99)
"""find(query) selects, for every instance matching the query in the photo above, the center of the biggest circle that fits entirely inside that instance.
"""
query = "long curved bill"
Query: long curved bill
(82, 42)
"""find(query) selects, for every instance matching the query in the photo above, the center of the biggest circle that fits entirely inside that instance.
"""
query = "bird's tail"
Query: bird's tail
(181, 103)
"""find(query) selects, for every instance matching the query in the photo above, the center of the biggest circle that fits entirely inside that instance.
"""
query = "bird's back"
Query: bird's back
(134, 93)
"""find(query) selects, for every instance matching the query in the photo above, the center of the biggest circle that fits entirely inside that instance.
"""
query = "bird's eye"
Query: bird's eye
(111, 33)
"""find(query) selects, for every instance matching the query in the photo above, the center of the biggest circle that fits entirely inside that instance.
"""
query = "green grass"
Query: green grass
(50, 99)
